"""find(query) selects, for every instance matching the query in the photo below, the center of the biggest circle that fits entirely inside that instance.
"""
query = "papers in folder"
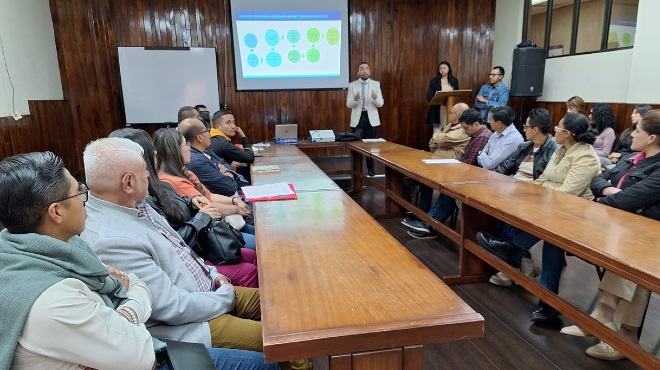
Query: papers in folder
(438, 161)
(277, 191)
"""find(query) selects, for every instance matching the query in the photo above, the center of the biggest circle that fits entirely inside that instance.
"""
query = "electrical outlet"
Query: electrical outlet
(16, 115)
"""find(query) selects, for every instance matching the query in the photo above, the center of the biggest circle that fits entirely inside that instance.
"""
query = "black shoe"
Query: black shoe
(417, 235)
(409, 181)
(371, 174)
(503, 250)
(543, 314)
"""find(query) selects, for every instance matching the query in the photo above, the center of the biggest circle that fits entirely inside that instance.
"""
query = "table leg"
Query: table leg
(356, 172)
(394, 183)
(406, 358)
(471, 268)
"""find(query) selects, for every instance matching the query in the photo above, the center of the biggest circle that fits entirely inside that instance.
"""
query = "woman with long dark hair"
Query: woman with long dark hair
(622, 147)
(189, 216)
(444, 80)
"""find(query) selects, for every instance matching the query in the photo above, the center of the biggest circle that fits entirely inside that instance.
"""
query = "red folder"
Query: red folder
(275, 197)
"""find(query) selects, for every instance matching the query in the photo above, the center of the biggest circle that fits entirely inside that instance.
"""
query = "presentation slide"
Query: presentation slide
(299, 45)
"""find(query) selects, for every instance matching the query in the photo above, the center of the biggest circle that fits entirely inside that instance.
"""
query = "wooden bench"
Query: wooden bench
(334, 282)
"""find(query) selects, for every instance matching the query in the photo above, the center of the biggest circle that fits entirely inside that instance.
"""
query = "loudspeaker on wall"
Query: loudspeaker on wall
(527, 71)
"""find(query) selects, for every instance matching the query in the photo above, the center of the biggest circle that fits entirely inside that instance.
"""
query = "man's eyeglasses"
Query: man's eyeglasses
(494, 74)
(205, 131)
(525, 127)
(82, 190)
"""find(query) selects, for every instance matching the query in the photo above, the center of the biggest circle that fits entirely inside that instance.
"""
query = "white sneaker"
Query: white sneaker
(527, 267)
(500, 279)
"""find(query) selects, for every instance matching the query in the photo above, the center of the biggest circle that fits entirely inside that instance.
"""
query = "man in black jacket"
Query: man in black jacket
(536, 151)
(223, 129)
(526, 164)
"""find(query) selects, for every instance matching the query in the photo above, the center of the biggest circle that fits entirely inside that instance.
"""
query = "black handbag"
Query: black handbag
(220, 243)
(349, 136)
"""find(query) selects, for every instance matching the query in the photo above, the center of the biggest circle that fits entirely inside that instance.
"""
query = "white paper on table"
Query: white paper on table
(381, 140)
(267, 190)
(439, 161)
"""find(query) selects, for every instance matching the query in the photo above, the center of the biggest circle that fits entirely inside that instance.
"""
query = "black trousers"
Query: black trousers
(368, 132)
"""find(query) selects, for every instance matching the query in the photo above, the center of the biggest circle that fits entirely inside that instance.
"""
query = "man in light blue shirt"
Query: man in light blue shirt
(503, 142)
(493, 94)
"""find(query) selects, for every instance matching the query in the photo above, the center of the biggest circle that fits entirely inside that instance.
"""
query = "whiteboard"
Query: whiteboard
(156, 82)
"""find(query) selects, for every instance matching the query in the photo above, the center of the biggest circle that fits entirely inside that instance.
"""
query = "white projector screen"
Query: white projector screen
(156, 82)
(290, 44)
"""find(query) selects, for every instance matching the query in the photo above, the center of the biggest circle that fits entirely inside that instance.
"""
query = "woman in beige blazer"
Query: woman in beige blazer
(575, 163)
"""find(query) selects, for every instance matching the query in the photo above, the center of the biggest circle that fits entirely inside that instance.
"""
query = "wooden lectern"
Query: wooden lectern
(448, 98)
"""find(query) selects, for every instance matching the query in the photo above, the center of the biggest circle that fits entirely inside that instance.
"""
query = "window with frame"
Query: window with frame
(568, 27)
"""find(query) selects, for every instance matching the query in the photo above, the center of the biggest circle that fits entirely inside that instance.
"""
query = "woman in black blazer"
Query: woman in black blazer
(443, 81)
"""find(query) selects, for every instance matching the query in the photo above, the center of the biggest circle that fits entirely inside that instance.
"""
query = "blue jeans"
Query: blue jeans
(234, 359)
(248, 229)
(443, 208)
(250, 240)
(553, 257)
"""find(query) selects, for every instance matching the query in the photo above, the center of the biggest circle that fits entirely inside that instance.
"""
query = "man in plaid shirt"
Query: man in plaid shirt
(478, 133)
(444, 207)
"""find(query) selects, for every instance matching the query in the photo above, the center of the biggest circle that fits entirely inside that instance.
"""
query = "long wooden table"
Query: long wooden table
(279, 150)
(401, 161)
(619, 241)
(334, 282)
(297, 170)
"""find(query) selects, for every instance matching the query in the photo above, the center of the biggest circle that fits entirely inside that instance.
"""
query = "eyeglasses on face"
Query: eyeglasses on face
(525, 127)
(557, 128)
(82, 190)
(494, 74)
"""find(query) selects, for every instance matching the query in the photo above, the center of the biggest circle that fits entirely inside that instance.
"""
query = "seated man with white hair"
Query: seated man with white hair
(125, 231)
(192, 302)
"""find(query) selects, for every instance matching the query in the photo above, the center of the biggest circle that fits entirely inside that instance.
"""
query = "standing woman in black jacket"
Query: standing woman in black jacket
(443, 81)
(633, 186)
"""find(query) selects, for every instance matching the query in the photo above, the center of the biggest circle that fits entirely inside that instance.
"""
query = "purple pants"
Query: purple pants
(244, 273)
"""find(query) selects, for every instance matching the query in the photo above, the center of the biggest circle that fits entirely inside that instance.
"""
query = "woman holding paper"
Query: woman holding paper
(443, 81)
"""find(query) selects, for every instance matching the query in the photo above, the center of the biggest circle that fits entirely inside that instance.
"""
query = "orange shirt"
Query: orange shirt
(183, 186)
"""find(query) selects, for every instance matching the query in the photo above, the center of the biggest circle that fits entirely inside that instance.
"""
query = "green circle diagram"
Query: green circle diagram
(293, 36)
(313, 35)
(332, 36)
(294, 56)
(313, 55)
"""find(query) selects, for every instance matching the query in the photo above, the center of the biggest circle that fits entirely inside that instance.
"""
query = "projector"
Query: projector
(322, 136)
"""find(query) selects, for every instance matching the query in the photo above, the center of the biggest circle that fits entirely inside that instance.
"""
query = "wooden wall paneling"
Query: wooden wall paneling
(48, 127)
(403, 41)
